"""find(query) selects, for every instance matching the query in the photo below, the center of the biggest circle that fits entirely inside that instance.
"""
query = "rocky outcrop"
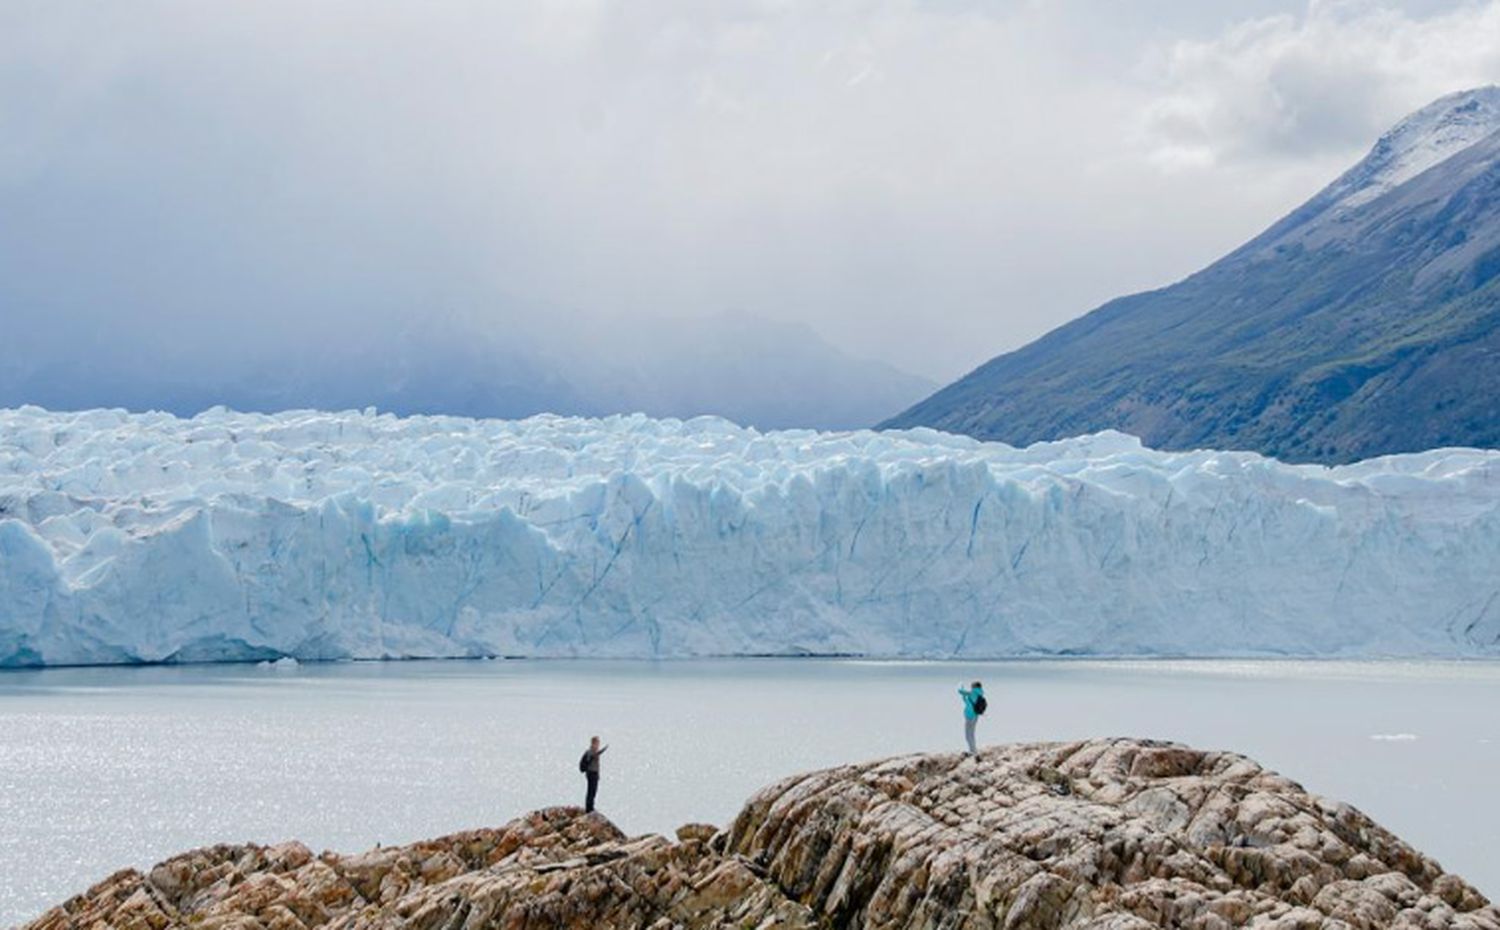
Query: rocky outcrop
(557, 867)
(1106, 834)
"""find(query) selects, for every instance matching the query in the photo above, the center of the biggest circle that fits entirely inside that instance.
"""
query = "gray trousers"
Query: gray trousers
(969, 733)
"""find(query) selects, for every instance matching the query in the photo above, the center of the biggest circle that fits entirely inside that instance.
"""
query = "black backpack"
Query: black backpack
(583, 762)
(980, 704)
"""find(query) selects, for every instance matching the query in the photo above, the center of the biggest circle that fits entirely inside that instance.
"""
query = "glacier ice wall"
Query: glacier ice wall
(131, 538)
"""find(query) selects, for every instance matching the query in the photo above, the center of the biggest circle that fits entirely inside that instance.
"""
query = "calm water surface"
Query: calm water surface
(103, 768)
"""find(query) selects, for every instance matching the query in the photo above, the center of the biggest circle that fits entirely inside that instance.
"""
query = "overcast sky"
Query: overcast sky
(929, 183)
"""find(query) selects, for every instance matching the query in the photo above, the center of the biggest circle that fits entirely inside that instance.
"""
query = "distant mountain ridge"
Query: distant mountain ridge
(1365, 322)
(755, 371)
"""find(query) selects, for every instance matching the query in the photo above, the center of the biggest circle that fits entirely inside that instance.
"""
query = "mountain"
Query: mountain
(755, 371)
(1366, 322)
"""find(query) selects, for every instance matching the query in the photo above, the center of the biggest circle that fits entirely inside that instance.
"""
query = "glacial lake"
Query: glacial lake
(105, 768)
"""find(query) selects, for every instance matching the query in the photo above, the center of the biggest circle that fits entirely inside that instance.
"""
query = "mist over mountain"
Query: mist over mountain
(754, 371)
(1365, 322)
(757, 372)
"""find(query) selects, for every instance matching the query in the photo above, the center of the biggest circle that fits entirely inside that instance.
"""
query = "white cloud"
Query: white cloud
(1326, 80)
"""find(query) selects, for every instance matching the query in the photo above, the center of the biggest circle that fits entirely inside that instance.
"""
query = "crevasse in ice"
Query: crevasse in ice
(140, 538)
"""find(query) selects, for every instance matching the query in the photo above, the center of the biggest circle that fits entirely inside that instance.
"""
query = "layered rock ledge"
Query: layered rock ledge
(1106, 834)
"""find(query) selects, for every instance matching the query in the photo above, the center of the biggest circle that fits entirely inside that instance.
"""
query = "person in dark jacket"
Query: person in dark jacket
(590, 766)
(972, 696)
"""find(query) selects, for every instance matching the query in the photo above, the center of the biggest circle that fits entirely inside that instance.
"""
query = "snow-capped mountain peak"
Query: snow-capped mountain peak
(1423, 139)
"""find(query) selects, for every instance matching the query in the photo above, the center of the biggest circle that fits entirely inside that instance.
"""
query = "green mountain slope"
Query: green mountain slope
(1366, 322)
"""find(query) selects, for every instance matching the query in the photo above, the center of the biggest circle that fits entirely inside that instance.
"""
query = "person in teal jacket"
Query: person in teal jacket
(974, 705)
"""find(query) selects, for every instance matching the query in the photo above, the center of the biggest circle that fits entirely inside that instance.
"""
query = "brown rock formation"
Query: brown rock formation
(1107, 834)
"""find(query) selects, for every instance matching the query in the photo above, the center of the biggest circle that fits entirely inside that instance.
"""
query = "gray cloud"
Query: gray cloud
(201, 185)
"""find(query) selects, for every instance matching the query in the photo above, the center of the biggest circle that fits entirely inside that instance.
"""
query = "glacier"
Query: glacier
(129, 538)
